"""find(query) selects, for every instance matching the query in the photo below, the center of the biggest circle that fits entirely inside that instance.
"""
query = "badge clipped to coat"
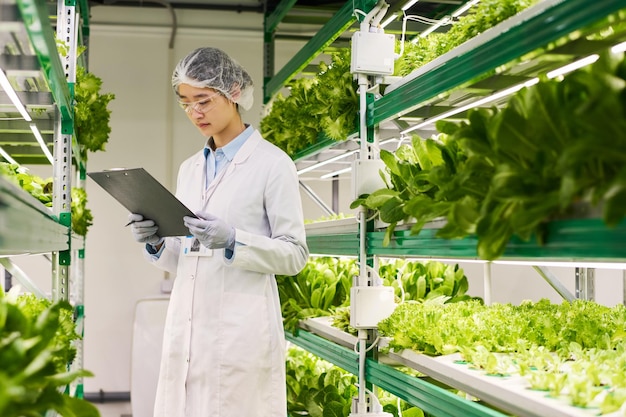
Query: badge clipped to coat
(193, 247)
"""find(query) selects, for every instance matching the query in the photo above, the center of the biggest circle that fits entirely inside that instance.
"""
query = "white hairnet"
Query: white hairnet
(212, 68)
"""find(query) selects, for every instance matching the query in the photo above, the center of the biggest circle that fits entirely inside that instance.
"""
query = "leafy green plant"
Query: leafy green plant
(317, 388)
(91, 115)
(81, 215)
(551, 345)
(323, 285)
(323, 105)
(506, 172)
(41, 189)
(35, 340)
(484, 15)
(429, 179)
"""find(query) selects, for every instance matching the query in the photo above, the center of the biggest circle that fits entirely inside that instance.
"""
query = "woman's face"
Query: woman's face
(208, 110)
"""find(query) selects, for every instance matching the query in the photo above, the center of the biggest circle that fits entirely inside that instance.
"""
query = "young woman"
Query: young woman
(223, 351)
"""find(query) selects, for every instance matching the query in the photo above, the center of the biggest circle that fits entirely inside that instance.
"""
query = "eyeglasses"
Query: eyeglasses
(201, 106)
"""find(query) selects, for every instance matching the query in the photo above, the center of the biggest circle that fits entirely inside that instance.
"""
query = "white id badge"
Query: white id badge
(192, 247)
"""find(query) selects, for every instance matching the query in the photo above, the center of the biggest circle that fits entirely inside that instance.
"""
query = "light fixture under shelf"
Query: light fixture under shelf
(42, 144)
(335, 173)
(327, 161)
(580, 63)
(7, 157)
(8, 89)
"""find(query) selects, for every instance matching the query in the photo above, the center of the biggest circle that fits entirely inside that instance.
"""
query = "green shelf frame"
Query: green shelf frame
(338, 24)
(273, 20)
(26, 225)
(345, 244)
(35, 16)
(561, 19)
(322, 143)
(566, 240)
(431, 398)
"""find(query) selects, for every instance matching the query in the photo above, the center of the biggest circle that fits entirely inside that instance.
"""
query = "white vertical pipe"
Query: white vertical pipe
(487, 282)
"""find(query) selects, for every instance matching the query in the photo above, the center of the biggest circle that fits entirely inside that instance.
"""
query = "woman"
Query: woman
(223, 351)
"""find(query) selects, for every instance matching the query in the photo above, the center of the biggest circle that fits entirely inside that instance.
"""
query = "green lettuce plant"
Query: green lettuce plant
(35, 350)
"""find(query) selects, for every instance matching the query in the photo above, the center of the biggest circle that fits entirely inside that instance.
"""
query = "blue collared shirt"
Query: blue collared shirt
(217, 160)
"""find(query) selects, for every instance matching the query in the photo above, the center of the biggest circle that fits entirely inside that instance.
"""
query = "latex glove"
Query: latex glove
(143, 230)
(210, 230)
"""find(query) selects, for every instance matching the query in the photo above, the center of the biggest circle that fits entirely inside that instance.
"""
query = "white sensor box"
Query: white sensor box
(372, 53)
(370, 305)
(366, 176)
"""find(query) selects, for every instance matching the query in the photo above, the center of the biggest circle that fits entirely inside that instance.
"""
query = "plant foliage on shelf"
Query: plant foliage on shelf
(35, 351)
(41, 189)
(317, 388)
(327, 105)
(576, 351)
(91, 115)
(481, 17)
(322, 288)
(324, 105)
(506, 172)
(415, 281)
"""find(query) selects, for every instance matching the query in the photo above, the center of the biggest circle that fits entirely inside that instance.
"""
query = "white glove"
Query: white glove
(143, 230)
(211, 231)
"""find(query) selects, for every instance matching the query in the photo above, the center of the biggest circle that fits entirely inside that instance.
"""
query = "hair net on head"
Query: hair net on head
(212, 68)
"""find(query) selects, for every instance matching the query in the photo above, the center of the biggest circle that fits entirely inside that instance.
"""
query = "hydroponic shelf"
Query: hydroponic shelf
(510, 394)
(429, 397)
(26, 225)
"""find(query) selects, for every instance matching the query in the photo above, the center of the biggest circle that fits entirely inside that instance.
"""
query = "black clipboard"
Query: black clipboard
(141, 193)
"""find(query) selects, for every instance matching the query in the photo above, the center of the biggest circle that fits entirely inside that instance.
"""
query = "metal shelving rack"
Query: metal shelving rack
(44, 84)
(520, 49)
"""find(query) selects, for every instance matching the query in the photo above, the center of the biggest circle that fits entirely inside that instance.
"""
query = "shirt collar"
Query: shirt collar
(231, 148)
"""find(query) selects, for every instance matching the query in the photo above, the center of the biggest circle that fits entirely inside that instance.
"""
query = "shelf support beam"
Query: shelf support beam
(555, 283)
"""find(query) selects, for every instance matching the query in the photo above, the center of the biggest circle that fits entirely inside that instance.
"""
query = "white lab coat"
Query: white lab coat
(223, 351)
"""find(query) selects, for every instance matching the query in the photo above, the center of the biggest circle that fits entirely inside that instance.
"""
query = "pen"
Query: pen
(129, 223)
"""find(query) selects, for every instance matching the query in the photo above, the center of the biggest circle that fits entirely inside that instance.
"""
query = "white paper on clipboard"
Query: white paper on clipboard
(139, 192)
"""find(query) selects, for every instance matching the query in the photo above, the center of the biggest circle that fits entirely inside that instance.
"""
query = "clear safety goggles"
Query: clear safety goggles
(201, 106)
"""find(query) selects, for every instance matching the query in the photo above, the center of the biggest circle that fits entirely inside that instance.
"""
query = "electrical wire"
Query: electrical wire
(374, 343)
(372, 217)
(356, 12)
(447, 20)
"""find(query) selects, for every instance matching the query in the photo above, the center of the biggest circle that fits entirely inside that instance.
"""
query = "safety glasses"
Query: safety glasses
(201, 106)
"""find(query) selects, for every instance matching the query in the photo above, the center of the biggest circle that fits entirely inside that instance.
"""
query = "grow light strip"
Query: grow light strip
(43, 145)
(464, 8)
(573, 66)
(7, 157)
(334, 173)
(8, 88)
(409, 4)
(328, 161)
(480, 102)
(620, 47)
(552, 74)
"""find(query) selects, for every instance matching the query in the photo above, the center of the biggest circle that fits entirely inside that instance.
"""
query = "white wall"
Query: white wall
(148, 130)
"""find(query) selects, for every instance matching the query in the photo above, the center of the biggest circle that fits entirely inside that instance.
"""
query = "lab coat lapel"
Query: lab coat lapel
(240, 157)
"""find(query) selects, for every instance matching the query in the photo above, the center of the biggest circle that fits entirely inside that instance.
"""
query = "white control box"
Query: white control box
(370, 305)
(366, 176)
(372, 53)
